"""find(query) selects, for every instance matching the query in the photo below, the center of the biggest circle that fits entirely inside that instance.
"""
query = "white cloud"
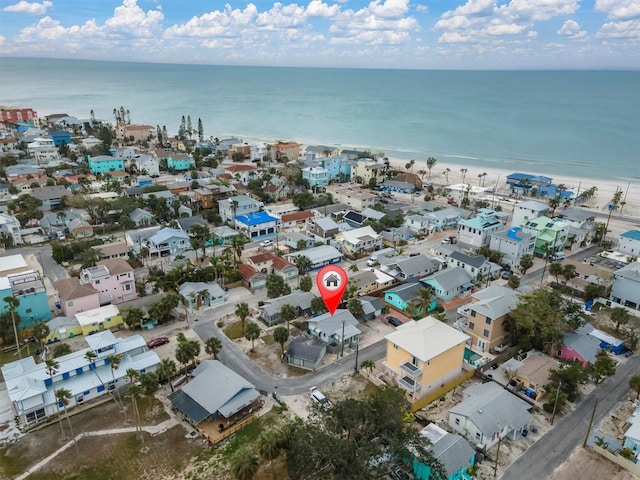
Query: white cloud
(129, 18)
(27, 7)
(389, 8)
(317, 8)
(497, 28)
(536, 10)
(571, 29)
(422, 8)
(472, 7)
(629, 29)
(619, 9)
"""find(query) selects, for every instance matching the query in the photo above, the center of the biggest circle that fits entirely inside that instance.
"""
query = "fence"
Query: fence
(618, 460)
(441, 391)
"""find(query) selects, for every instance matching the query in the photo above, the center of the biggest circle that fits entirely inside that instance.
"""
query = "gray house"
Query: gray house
(626, 286)
(142, 218)
(488, 413)
(301, 301)
(335, 329)
(449, 283)
(305, 352)
(51, 196)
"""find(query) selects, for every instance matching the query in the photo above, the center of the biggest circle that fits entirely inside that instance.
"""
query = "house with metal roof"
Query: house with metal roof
(513, 243)
(580, 345)
(337, 329)
(626, 286)
(487, 313)
(527, 210)
(105, 164)
(256, 225)
(451, 450)
(474, 265)
(239, 205)
(324, 227)
(31, 386)
(359, 240)
(50, 196)
(369, 281)
(231, 399)
(61, 328)
(28, 288)
(551, 234)
(305, 352)
(476, 231)
(299, 300)
(372, 307)
(201, 294)
(488, 413)
(319, 256)
(629, 243)
(100, 319)
(449, 283)
(403, 296)
(167, 241)
(424, 355)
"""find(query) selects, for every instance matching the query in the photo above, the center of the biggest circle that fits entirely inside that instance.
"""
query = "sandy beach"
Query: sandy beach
(497, 179)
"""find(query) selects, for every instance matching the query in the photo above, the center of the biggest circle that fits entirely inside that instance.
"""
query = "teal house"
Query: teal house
(403, 296)
(180, 162)
(105, 164)
(451, 450)
(28, 289)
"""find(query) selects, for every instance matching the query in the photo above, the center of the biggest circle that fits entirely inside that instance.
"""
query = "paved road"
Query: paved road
(51, 269)
(544, 456)
(234, 358)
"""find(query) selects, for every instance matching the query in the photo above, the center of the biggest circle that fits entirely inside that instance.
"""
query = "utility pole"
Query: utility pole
(357, 349)
(342, 349)
(555, 405)
(495, 465)
(593, 414)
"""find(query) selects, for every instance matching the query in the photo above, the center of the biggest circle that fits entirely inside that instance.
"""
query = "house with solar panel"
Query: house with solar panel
(513, 243)
(31, 386)
(476, 231)
(551, 234)
(256, 225)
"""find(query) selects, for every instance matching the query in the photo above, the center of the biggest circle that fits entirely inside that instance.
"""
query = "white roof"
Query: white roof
(426, 338)
(353, 236)
(12, 262)
(97, 315)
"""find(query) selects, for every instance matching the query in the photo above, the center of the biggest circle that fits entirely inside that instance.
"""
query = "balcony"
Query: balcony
(408, 383)
(411, 369)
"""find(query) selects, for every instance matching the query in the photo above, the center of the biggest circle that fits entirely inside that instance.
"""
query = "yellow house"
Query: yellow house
(486, 316)
(98, 319)
(61, 328)
(424, 356)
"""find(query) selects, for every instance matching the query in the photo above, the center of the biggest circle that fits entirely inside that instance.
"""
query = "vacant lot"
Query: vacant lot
(587, 464)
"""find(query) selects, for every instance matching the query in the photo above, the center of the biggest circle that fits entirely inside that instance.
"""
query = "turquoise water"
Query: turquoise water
(581, 123)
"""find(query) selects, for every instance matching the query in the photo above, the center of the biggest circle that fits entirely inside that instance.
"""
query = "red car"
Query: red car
(156, 342)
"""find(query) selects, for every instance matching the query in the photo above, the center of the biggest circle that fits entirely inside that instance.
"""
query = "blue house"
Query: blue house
(180, 162)
(449, 283)
(316, 176)
(402, 296)
(28, 288)
(60, 137)
(339, 168)
(451, 450)
(105, 163)
(256, 225)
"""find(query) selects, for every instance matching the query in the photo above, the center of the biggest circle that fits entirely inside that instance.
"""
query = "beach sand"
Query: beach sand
(497, 179)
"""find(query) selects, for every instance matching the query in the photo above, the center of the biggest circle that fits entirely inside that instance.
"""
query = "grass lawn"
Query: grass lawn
(234, 331)
(268, 340)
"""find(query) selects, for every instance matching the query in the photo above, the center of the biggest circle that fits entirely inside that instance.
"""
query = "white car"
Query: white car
(266, 243)
(320, 399)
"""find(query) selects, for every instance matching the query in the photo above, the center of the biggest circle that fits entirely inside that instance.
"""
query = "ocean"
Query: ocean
(577, 123)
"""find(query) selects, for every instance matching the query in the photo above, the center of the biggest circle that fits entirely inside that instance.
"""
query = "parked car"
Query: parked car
(318, 397)
(156, 342)
(266, 243)
(445, 241)
(507, 274)
(396, 322)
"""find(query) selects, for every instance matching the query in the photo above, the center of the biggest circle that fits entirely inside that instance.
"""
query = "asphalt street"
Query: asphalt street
(544, 456)
(51, 269)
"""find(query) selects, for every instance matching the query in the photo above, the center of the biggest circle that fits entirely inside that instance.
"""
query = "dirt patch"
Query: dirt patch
(585, 463)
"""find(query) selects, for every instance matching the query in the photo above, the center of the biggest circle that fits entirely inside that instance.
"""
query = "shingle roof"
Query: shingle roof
(116, 266)
(495, 301)
(70, 289)
(476, 261)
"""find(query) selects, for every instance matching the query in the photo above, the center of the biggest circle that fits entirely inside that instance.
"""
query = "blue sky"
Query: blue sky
(461, 34)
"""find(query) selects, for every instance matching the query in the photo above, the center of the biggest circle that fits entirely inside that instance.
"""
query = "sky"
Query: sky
(425, 34)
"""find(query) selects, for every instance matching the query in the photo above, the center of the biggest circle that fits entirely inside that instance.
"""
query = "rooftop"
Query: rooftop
(426, 338)
(97, 315)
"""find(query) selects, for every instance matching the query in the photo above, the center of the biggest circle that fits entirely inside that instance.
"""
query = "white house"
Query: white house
(10, 226)
(629, 243)
(513, 243)
(239, 205)
(147, 163)
(626, 286)
(476, 231)
(527, 210)
(43, 149)
(359, 240)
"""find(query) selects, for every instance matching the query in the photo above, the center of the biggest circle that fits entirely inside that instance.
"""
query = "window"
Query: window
(28, 310)
(478, 436)
(97, 282)
(395, 347)
(486, 333)
(127, 287)
(471, 326)
(457, 421)
(79, 371)
(488, 321)
(65, 376)
(473, 313)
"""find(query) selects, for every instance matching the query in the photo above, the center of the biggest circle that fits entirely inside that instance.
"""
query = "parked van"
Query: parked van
(318, 397)
(376, 256)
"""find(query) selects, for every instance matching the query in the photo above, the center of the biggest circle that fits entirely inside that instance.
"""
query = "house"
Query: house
(61, 328)
(51, 197)
(186, 223)
(629, 243)
(528, 210)
(372, 307)
(31, 387)
(243, 173)
(142, 218)
(12, 264)
(582, 224)
(370, 281)
(134, 133)
(476, 231)
(113, 279)
(397, 186)
(451, 450)
(513, 243)
(201, 294)
(626, 286)
(22, 116)
(28, 288)
(231, 207)
(551, 234)
(100, 319)
(419, 224)
(180, 162)
(80, 228)
(359, 241)
(352, 194)
(588, 274)
(404, 296)
(223, 235)
(423, 356)
(252, 278)
(580, 346)
(290, 220)
(449, 283)
(281, 151)
(117, 249)
(319, 256)
(168, 241)
(75, 297)
(532, 374)
(477, 266)
(324, 227)
(215, 409)
(526, 181)
(305, 352)
(105, 164)
(407, 268)
(488, 413)
(366, 169)
(15, 173)
(632, 434)
(487, 313)
(43, 149)
(166, 195)
(148, 164)
(339, 328)
(269, 263)
(301, 301)
(316, 176)
(299, 241)
(322, 151)
(411, 178)
(256, 225)
(203, 197)
(10, 228)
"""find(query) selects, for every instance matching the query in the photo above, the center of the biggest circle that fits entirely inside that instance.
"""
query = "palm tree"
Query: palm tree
(423, 301)
(242, 312)
(446, 174)
(368, 365)
(431, 162)
(234, 208)
(166, 370)
(619, 316)
(212, 347)
(135, 392)
(555, 269)
(281, 335)
(355, 307)
(463, 171)
(114, 363)
(287, 313)
(13, 303)
(252, 333)
(40, 331)
(303, 264)
(353, 267)
(89, 257)
(634, 384)
(244, 465)
(62, 397)
(52, 368)
(269, 447)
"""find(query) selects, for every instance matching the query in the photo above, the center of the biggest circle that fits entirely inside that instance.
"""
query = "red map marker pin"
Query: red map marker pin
(332, 282)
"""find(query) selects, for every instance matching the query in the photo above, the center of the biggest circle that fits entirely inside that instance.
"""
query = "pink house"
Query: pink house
(113, 279)
(75, 297)
(580, 346)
